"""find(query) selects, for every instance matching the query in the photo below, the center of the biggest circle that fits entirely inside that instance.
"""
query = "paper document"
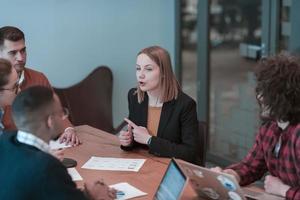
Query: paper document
(74, 174)
(114, 164)
(127, 191)
(57, 145)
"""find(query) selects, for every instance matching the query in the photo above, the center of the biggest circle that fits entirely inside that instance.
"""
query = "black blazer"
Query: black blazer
(30, 174)
(177, 134)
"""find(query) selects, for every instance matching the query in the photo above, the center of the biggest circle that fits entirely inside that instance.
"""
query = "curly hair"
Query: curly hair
(278, 87)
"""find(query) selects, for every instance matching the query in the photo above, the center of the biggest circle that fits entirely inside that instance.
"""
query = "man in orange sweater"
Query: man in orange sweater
(13, 48)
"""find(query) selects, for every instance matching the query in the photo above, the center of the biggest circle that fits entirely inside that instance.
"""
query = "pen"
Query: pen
(120, 193)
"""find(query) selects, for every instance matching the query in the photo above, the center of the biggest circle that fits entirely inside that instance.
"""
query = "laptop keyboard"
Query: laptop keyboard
(250, 198)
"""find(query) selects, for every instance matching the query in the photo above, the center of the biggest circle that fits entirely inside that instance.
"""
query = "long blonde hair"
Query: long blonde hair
(168, 83)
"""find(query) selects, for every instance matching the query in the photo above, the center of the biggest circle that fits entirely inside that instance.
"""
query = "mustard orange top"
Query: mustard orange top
(153, 119)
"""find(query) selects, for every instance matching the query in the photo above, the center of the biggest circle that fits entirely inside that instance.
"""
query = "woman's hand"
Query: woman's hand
(140, 133)
(125, 137)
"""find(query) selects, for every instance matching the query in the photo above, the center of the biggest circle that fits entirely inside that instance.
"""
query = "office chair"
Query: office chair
(90, 100)
(202, 134)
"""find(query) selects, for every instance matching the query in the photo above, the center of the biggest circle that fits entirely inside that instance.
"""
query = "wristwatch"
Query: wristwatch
(149, 141)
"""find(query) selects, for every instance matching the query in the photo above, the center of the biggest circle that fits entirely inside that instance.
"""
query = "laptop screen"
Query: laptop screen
(172, 183)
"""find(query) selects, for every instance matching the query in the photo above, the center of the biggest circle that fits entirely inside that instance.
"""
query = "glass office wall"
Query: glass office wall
(235, 34)
(189, 45)
(240, 32)
(285, 26)
(233, 113)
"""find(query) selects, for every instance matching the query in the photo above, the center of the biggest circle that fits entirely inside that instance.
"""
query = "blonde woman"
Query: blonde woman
(161, 117)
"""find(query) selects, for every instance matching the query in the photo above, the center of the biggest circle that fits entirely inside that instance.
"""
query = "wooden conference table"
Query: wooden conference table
(102, 144)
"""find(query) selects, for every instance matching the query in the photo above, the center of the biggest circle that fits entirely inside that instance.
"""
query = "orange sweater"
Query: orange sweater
(153, 119)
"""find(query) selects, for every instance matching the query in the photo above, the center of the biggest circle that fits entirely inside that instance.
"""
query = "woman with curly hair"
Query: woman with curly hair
(277, 144)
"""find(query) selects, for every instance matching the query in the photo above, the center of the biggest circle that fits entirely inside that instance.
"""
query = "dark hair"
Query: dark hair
(278, 87)
(10, 33)
(168, 83)
(5, 70)
(31, 101)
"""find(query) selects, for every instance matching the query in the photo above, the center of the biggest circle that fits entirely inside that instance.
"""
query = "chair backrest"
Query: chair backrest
(202, 133)
(90, 101)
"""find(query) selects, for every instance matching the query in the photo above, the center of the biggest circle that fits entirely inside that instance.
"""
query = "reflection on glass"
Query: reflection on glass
(189, 43)
(284, 23)
(233, 110)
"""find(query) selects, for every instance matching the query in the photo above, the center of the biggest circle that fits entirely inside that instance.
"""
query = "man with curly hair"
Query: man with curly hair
(277, 144)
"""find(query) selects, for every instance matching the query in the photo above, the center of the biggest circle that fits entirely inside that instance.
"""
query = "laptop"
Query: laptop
(172, 184)
(215, 185)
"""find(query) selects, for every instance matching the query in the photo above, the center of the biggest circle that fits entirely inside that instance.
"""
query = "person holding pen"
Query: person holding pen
(27, 168)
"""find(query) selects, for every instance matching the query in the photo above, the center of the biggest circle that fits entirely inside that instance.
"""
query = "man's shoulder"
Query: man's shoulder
(32, 72)
(26, 155)
(33, 78)
(7, 137)
(29, 156)
(48, 162)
